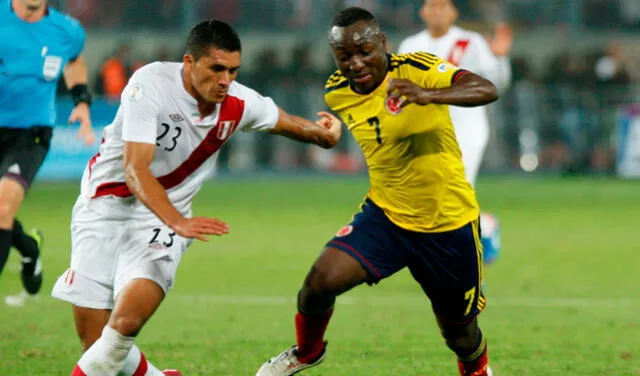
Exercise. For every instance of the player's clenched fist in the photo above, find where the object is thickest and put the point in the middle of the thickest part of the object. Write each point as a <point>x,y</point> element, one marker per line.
<point>408,92</point>
<point>199,227</point>
<point>330,122</point>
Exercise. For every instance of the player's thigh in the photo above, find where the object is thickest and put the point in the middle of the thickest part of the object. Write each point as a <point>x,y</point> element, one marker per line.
<point>89,324</point>
<point>370,247</point>
<point>335,272</point>
<point>448,266</point>
<point>150,250</point>
<point>11,196</point>
<point>135,304</point>
<point>145,270</point>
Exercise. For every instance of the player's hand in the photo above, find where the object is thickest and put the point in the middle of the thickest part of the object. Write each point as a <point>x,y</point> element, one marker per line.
<point>82,115</point>
<point>408,92</point>
<point>502,40</point>
<point>331,123</point>
<point>200,227</point>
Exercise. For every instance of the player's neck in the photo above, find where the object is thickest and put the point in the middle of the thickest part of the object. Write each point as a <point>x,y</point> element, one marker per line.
<point>27,14</point>
<point>437,32</point>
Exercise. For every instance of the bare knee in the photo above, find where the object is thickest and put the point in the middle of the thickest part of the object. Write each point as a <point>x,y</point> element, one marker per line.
<point>11,196</point>
<point>321,281</point>
<point>7,214</point>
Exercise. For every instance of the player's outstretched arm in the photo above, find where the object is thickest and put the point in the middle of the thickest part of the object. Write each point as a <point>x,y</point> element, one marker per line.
<point>75,77</point>
<point>137,159</point>
<point>325,132</point>
<point>470,90</point>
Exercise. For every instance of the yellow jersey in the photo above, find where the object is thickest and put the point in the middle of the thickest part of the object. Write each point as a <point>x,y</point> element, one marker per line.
<point>415,165</point>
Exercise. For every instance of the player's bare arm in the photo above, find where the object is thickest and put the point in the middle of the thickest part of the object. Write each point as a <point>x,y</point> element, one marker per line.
<point>142,183</point>
<point>75,77</point>
<point>470,90</point>
<point>325,132</point>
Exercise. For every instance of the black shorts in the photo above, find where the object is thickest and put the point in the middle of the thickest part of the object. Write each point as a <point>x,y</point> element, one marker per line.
<point>447,265</point>
<point>22,151</point>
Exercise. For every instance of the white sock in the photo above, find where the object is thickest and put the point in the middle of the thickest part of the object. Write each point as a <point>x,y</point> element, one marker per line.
<point>133,364</point>
<point>107,355</point>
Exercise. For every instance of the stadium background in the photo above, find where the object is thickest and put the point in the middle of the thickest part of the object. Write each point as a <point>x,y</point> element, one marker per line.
<point>563,296</point>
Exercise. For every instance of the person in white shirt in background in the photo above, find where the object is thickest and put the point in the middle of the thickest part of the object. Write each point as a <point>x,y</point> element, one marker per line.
<point>488,57</point>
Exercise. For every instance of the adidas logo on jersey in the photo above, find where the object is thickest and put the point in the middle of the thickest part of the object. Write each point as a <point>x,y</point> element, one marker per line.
<point>14,169</point>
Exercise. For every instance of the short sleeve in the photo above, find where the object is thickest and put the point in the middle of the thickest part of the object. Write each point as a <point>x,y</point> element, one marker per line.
<point>440,74</point>
<point>260,113</point>
<point>141,103</point>
<point>78,38</point>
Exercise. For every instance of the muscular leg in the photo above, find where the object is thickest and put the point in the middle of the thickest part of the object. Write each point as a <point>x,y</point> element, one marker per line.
<point>89,324</point>
<point>11,195</point>
<point>135,304</point>
<point>468,343</point>
<point>333,273</point>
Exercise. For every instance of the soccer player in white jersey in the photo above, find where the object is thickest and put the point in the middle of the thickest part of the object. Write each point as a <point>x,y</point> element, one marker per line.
<point>488,58</point>
<point>132,221</point>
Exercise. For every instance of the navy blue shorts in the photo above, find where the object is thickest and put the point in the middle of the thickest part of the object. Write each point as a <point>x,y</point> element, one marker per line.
<point>447,265</point>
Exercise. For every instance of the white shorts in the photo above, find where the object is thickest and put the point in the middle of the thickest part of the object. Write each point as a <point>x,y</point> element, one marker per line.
<point>472,131</point>
<point>108,252</point>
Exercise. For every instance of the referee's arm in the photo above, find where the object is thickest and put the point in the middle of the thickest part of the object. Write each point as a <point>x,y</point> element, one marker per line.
<point>75,77</point>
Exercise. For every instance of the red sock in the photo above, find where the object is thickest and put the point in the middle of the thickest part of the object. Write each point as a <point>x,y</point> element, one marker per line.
<point>477,367</point>
<point>310,333</point>
<point>77,371</point>
<point>142,366</point>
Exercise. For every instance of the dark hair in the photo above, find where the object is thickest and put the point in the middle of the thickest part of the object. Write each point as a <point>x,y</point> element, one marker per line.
<point>351,15</point>
<point>212,33</point>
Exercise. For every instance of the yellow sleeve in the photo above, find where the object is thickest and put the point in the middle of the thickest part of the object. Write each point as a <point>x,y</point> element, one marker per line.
<point>440,73</point>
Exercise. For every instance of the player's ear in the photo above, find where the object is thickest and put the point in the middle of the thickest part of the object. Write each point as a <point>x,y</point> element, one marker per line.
<point>455,14</point>
<point>187,59</point>
<point>423,12</point>
<point>385,45</point>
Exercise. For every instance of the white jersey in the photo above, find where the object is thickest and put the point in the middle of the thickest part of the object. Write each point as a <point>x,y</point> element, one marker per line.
<point>156,109</point>
<point>468,50</point>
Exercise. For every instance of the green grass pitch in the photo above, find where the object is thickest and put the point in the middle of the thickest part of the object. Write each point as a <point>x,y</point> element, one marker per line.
<point>563,298</point>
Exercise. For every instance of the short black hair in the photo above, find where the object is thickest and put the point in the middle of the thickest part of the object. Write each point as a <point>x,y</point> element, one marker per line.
<point>351,15</point>
<point>212,33</point>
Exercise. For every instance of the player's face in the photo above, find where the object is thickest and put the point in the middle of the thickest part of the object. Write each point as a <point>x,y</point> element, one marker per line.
<point>440,14</point>
<point>212,74</point>
<point>34,4</point>
<point>360,54</point>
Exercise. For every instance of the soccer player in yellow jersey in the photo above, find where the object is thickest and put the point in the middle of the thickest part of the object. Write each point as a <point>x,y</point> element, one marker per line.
<point>420,211</point>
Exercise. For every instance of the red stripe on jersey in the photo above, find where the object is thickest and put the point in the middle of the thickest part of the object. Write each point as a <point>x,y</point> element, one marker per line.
<point>230,114</point>
<point>458,50</point>
<point>94,159</point>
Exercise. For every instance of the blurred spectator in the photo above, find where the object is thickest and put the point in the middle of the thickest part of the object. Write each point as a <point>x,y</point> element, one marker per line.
<point>84,10</point>
<point>115,72</point>
<point>225,10</point>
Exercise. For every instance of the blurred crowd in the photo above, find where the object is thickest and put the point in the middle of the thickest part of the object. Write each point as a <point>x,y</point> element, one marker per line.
<point>561,116</point>
<point>312,15</point>
<point>569,109</point>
